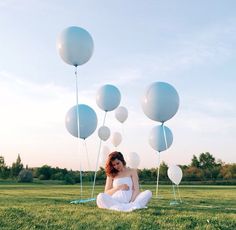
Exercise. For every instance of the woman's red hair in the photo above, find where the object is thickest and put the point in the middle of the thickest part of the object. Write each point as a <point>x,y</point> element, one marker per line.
<point>109,169</point>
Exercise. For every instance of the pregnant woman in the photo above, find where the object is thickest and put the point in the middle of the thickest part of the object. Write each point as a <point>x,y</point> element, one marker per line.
<point>122,187</point>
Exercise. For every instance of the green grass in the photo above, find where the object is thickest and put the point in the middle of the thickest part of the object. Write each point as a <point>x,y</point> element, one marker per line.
<point>37,206</point>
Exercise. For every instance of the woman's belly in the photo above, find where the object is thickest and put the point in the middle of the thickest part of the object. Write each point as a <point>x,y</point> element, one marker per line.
<point>123,196</point>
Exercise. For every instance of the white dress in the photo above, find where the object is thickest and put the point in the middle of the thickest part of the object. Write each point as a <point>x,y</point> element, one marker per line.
<point>120,200</point>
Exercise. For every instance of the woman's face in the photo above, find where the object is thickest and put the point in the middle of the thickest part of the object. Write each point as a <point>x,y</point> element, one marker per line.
<point>117,164</point>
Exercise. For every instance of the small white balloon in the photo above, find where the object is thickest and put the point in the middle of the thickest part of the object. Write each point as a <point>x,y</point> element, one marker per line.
<point>116,138</point>
<point>160,101</point>
<point>104,133</point>
<point>75,45</point>
<point>175,174</point>
<point>133,160</point>
<point>108,97</point>
<point>160,138</point>
<point>121,114</point>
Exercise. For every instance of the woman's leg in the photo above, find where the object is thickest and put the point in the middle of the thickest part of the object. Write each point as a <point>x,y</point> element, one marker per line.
<point>105,201</point>
<point>108,202</point>
<point>142,199</point>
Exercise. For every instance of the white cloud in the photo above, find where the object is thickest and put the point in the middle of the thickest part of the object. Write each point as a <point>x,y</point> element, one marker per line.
<point>32,122</point>
<point>208,119</point>
<point>206,46</point>
<point>28,107</point>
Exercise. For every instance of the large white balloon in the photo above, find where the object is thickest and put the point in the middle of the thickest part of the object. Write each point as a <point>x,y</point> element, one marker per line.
<point>160,138</point>
<point>104,133</point>
<point>75,45</point>
<point>133,160</point>
<point>116,138</point>
<point>103,157</point>
<point>108,97</point>
<point>175,174</point>
<point>160,101</point>
<point>87,121</point>
<point>121,114</point>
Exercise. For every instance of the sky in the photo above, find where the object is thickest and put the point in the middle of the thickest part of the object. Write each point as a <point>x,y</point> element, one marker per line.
<point>188,44</point>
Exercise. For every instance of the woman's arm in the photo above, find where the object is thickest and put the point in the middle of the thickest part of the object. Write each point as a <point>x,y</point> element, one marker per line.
<point>109,189</point>
<point>135,179</point>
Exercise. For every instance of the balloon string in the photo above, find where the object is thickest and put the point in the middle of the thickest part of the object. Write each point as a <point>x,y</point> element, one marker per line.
<point>179,193</point>
<point>78,127</point>
<point>81,182</point>
<point>86,149</point>
<point>123,135</point>
<point>98,155</point>
<point>95,174</point>
<point>104,119</point>
<point>77,100</point>
<point>164,131</point>
<point>174,190</point>
<point>158,173</point>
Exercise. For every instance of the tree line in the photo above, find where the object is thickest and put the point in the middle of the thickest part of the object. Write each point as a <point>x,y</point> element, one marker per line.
<point>201,169</point>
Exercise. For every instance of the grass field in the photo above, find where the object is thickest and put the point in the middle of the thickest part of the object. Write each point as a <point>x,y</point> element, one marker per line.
<point>47,207</point>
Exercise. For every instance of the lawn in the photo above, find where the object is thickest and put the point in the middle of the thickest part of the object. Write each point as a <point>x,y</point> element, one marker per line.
<point>36,206</point>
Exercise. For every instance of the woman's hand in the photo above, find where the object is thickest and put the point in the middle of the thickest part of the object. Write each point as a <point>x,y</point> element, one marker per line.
<point>123,187</point>
<point>109,189</point>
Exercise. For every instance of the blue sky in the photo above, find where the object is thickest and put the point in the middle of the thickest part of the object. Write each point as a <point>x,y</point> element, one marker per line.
<point>189,44</point>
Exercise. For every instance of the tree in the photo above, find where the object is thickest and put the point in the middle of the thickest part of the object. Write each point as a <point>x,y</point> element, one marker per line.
<point>16,167</point>
<point>69,178</point>
<point>25,175</point>
<point>193,174</point>
<point>195,162</point>
<point>44,173</point>
<point>228,171</point>
<point>145,174</point>
<point>2,162</point>
<point>207,161</point>
<point>2,166</point>
<point>163,171</point>
<point>101,175</point>
<point>4,170</point>
<point>57,176</point>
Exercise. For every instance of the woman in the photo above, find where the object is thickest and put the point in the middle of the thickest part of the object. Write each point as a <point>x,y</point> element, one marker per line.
<point>122,188</point>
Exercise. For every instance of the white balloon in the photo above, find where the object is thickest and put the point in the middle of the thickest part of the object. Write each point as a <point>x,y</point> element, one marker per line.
<point>116,139</point>
<point>121,114</point>
<point>87,121</point>
<point>108,97</point>
<point>104,133</point>
<point>160,101</point>
<point>160,138</point>
<point>103,157</point>
<point>133,160</point>
<point>175,174</point>
<point>75,45</point>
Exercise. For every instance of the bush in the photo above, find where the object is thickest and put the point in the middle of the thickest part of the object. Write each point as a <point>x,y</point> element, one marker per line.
<point>58,176</point>
<point>25,176</point>
<point>44,172</point>
<point>5,172</point>
<point>42,177</point>
<point>69,179</point>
